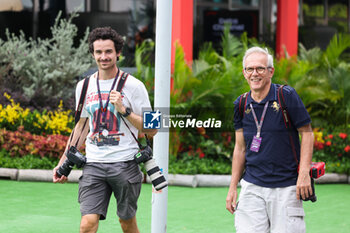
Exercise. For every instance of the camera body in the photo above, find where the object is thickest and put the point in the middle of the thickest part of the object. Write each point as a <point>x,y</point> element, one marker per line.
<point>317,169</point>
<point>74,157</point>
<point>145,155</point>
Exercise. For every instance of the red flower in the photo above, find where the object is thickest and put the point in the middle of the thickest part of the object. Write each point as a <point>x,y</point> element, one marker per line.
<point>181,147</point>
<point>200,152</point>
<point>330,136</point>
<point>347,149</point>
<point>319,145</point>
<point>343,135</point>
<point>328,143</point>
<point>189,94</point>
<point>229,138</point>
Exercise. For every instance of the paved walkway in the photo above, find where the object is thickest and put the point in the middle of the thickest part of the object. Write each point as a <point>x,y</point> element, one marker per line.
<point>173,179</point>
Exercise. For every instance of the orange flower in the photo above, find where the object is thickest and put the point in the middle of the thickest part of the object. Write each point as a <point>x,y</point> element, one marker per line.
<point>202,132</point>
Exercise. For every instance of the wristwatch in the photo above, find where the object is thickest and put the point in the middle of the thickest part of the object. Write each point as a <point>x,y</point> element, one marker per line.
<point>127,112</point>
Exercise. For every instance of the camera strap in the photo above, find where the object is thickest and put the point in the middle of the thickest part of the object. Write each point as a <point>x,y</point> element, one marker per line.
<point>120,86</point>
<point>103,109</point>
<point>133,135</point>
<point>82,99</point>
<point>72,135</point>
<point>79,109</point>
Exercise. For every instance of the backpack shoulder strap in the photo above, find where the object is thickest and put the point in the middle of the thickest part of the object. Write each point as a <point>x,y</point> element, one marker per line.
<point>287,121</point>
<point>283,106</point>
<point>82,99</point>
<point>122,81</point>
<point>242,104</point>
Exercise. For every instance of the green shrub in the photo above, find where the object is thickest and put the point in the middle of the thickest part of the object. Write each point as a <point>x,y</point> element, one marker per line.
<point>26,162</point>
<point>195,165</point>
<point>40,73</point>
<point>322,79</point>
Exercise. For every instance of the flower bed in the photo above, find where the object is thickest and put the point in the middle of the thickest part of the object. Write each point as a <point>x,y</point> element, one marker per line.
<point>21,143</point>
<point>13,116</point>
<point>40,138</point>
<point>334,149</point>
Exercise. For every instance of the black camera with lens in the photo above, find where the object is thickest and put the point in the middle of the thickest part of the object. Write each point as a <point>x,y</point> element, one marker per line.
<point>74,157</point>
<point>145,155</point>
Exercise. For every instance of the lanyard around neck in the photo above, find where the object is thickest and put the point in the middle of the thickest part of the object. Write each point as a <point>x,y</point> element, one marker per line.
<point>259,125</point>
<point>103,109</point>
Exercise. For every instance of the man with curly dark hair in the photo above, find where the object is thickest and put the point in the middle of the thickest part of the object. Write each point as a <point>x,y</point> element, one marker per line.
<point>105,33</point>
<point>110,146</point>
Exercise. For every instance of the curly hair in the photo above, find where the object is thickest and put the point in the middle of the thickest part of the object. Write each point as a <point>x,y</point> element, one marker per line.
<point>105,33</point>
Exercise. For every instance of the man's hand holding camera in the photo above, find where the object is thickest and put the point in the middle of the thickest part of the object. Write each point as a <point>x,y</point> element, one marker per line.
<point>56,179</point>
<point>304,189</point>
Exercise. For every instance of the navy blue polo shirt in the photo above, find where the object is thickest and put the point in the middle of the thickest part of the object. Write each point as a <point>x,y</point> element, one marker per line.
<point>274,164</point>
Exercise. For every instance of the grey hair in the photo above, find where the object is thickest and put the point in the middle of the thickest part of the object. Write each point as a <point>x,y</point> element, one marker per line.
<point>258,50</point>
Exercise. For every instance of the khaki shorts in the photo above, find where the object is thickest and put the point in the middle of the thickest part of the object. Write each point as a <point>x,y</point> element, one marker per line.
<point>263,210</point>
<point>98,182</point>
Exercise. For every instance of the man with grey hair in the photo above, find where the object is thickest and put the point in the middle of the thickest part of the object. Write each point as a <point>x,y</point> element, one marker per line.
<point>276,165</point>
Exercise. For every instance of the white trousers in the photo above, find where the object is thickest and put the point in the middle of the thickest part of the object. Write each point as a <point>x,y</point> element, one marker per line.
<point>265,210</point>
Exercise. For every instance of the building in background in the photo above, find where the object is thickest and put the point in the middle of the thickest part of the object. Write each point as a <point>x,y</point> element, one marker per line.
<point>318,20</point>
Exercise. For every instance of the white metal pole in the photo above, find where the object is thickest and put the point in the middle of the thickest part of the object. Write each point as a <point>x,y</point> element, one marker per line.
<point>162,100</point>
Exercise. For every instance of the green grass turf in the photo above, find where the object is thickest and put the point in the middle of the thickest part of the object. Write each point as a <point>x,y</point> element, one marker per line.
<point>39,207</point>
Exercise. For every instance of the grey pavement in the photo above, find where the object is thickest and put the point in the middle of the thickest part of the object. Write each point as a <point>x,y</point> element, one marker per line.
<point>173,179</point>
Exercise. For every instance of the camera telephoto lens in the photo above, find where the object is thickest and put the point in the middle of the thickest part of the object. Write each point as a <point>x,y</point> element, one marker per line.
<point>156,176</point>
<point>153,171</point>
<point>65,168</point>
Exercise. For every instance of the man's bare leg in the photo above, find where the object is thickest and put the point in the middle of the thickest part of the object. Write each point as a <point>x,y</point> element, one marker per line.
<point>89,223</point>
<point>129,225</point>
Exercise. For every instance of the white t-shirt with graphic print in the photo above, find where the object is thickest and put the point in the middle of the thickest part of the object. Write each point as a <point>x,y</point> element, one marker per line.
<point>112,142</point>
